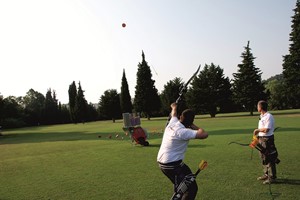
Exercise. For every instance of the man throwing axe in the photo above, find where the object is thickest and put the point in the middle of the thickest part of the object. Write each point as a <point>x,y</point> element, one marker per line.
<point>173,147</point>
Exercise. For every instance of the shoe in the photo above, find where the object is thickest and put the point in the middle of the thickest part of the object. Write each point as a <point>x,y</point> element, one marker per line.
<point>262,178</point>
<point>269,181</point>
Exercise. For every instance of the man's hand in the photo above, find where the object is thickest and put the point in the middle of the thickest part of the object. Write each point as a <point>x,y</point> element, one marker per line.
<point>201,134</point>
<point>174,110</point>
<point>256,131</point>
<point>173,106</point>
<point>263,130</point>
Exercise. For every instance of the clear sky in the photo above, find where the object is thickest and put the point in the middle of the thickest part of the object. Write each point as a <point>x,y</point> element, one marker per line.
<point>51,43</point>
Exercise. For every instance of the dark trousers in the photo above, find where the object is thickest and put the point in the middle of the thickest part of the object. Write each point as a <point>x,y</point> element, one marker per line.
<point>176,172</point>
<point>269,157</point>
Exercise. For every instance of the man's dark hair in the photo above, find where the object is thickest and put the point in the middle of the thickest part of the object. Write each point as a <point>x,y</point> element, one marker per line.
<point>263,105</point>
<point>187,117</point>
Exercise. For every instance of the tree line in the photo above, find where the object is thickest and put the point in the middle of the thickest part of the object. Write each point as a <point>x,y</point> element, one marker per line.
<point>210,92</point>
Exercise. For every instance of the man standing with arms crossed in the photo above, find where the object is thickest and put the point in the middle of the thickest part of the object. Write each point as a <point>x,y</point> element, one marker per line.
<point>265,134</point>
<point>174,144</point>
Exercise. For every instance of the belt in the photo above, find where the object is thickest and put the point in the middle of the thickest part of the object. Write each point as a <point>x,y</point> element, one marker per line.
<point>171,165</point>
<point>266,136</point>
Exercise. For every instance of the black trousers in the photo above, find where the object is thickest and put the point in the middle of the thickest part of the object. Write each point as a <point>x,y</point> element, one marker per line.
<point>269,157</point>
<point>176,171</point>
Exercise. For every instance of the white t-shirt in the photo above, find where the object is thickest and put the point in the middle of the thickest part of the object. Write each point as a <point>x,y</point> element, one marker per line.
<point>175,141</point>
<point>266,121</point>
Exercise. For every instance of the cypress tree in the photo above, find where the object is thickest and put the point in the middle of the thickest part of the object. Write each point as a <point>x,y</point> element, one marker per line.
<point>51,108</point>
<point>146,98</point>
<point>80,105</point>
<point>72,100</point>
<point>125,98</point>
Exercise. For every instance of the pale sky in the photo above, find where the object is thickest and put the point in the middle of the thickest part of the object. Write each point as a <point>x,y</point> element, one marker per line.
<point>51,43</point>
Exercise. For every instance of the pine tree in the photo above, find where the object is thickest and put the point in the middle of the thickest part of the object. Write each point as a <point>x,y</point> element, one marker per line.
<point>247,84</point>
<point>146,98</point>
<point>125,98</point>
<point>210,91</point>
<point>72,100</point>
<point>80,105</point>
<point>291,63</point>
<point>170,94</point>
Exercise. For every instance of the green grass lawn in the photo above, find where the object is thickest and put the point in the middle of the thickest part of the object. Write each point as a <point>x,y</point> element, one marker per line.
<point>73,162</point>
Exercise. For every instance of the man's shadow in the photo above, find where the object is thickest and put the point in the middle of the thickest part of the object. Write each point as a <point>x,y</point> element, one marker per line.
<point>287,181</point>
<point>274,195</point>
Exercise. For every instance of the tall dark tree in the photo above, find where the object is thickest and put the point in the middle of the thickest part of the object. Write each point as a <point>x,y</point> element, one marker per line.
<point>50,113</point>
<point>63,114</point>
<point>1,108</point>
<point>146,98</point>
<point>33,103</point>
<point>92,114</point>
<point>210,91</point>
<point>247,84</point>
<point>80,109</point>
<point>72,100</point>
<point>125,98</point>
<point>109,105</point>
<point>170,94</point>
<point>291,62</point>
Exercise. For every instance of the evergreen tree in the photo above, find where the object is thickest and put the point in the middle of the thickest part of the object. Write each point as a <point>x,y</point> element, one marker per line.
<point>92,112</point>
<point>109,105</point>
<point>64,114</point>
<point>210,91</point>
<point>125,98</point>
<point>247,84</point>
<point>146,98</point>
<point>80,109</point>
<point>72,100</point>
<point>1,108</point>
<point>291,63</point>
<point>50,108</point>
<point>170,94</point>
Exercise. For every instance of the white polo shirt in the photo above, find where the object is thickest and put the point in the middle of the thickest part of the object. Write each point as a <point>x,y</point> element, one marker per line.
<point>266,121</point>
<point>175,141</point>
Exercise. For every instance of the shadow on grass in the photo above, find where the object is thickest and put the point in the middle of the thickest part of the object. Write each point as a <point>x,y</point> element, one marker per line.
<point>55,137</point>
<point>230,131</point>
<point>282,129</point>
<point>248,131</point>
<point>37,137</point>
<point>272,195</point>
<point>287,181</point>
<point>286,112</point>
